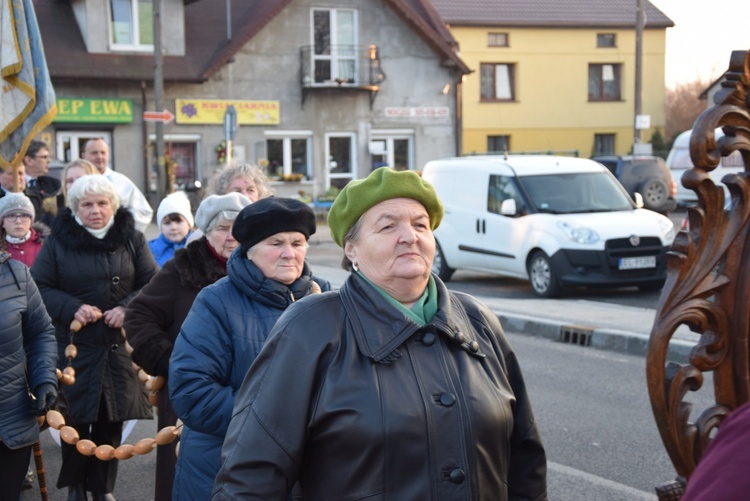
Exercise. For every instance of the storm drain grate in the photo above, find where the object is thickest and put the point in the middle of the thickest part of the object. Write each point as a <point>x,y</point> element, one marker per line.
<point>575,334</point>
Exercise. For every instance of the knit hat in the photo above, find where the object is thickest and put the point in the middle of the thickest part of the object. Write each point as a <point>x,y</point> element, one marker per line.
<point>269,216</point>
<point>175,203</point>
<point>382,184</point>
<point>214,205</point>
<point>16,202</point>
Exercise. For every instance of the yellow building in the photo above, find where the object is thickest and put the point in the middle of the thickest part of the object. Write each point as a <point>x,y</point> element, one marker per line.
<point>557,76</point>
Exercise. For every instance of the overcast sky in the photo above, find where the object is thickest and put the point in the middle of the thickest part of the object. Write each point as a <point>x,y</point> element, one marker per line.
<point>704,36</point>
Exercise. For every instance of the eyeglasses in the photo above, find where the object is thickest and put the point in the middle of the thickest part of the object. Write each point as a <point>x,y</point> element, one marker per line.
<point>42,157</point>
<point>18,217</point>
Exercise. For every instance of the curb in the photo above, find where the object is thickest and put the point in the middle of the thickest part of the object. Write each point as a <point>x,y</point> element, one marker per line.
<point>586,336</point>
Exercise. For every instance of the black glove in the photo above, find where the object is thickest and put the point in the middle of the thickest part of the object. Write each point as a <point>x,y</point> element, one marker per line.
<point>162,365</point>
<point>46,396</point>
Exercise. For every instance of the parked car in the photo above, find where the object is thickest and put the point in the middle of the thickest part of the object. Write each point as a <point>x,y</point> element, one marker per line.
<point>679,161</point>
<point>556,221</point>
<point>644,174</point>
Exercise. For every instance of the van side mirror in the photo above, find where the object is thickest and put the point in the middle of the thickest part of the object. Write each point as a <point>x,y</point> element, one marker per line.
<point>508,207</point>
<point>638,200</point>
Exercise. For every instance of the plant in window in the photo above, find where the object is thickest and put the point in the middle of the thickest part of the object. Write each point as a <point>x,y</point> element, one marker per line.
<point>330,195</point>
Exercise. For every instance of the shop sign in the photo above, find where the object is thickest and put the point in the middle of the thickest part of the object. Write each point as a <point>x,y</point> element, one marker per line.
<point>84,110</point>
<point>417,112</point>
<point>211,111</point>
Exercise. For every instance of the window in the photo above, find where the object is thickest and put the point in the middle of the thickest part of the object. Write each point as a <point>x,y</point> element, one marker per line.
<point>497,39</point>
<point>132,24</point>
<point>606,40</point>
<point>334,45</point>
<point>289,155</point>
<point>604,82</point>
<point>501,188</point>
<point>392,148</point>
<point>341,161</point>
<point>498,144</point>
<point>604,144</point>
<point>498,82</point>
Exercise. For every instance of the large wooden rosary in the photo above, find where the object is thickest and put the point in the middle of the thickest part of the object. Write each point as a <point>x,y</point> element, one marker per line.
<point>106,452</point>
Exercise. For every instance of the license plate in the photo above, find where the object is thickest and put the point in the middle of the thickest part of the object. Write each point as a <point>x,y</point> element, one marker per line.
<point>636,263</point>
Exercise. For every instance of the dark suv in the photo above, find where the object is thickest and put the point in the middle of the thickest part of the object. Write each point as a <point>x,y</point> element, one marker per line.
<point>644,174</point>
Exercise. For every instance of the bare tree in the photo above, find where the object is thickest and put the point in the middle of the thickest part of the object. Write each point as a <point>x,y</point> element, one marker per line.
<point>683,105</point>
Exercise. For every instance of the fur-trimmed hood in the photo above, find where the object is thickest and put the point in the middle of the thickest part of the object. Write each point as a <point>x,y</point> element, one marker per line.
<point>72,235</point>
<point>196,265</point>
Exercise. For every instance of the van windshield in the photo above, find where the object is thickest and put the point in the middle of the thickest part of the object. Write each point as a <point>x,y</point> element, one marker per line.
<point>574,193</point>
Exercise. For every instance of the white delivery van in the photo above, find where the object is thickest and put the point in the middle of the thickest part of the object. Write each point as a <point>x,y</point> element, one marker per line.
<point>556,221</point>
<point>679,161</point>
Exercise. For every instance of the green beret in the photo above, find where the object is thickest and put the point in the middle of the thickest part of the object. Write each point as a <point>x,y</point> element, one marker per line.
<point>382,184</point>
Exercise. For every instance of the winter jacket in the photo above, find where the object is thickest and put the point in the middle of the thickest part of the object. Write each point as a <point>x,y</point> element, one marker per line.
<point>29,352</point>
<point>152,322</point>
<point>27,251</point>
<point>75,268</point>
<point>163,249</point>
<point>221,336</point>
<point>356,401</point>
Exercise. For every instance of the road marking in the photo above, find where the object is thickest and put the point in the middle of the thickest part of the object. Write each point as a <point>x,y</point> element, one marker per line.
<point>631,492</point>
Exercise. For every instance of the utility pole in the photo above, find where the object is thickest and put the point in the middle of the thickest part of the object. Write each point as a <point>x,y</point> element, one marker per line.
<point>639,21</point>
<point>163,178</point>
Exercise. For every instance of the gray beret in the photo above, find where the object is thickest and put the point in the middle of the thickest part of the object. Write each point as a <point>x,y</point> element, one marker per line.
<point>214,205</point>
<point>269,216</point>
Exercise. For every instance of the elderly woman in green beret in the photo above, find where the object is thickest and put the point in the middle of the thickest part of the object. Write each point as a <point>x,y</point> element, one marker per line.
<point>393,387</point>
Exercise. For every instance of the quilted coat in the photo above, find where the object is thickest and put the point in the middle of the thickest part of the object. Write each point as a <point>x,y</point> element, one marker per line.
<point>75,268</point>
<point>29,352</point>
<point>354,400</point>
<point>152,323</point>
<point>221,336</point>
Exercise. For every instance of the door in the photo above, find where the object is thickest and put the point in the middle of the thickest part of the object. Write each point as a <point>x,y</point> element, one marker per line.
<point>503,237</point>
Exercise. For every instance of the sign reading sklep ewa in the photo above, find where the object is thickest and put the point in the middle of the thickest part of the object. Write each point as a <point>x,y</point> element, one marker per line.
<point>417,112</point>
<point>211,111</point>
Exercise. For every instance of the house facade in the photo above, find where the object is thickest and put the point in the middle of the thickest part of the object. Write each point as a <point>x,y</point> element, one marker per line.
<point>323,91</point>
<point>551,76</point>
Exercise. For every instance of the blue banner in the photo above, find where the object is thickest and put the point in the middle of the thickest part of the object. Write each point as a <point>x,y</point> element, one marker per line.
<point>27,101</point>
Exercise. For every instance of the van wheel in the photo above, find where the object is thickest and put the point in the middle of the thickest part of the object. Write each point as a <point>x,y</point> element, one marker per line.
<point>440,266</point>
<point>655,194</point>
<point>542,276</point>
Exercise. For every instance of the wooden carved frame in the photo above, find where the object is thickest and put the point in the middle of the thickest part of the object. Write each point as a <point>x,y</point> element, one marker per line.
<point>707,287</point>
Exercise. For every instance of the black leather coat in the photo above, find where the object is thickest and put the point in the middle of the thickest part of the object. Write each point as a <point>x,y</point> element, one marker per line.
<point>356,401</point>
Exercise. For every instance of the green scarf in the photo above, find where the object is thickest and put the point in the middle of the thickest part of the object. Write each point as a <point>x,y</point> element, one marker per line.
<point>422,311</point>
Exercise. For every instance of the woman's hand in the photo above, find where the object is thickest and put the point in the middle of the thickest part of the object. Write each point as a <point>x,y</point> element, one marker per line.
<point>114,317</point>
<point>87,314</point>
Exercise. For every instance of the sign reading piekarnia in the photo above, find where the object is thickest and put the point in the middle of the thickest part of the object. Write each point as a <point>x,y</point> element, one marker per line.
<point>211,111</point>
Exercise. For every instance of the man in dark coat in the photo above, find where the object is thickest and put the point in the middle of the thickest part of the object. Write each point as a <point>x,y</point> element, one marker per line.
<point>46,188</point>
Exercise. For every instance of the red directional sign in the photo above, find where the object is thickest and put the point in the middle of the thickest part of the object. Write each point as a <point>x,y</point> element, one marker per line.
<point>165,116</point>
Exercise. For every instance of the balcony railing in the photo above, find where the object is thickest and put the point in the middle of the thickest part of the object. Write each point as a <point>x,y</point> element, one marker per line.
<point>350,67</point>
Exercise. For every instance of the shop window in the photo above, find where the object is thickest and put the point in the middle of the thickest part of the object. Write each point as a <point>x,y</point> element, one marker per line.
<point>288,155</point>
<point>340,159</point>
